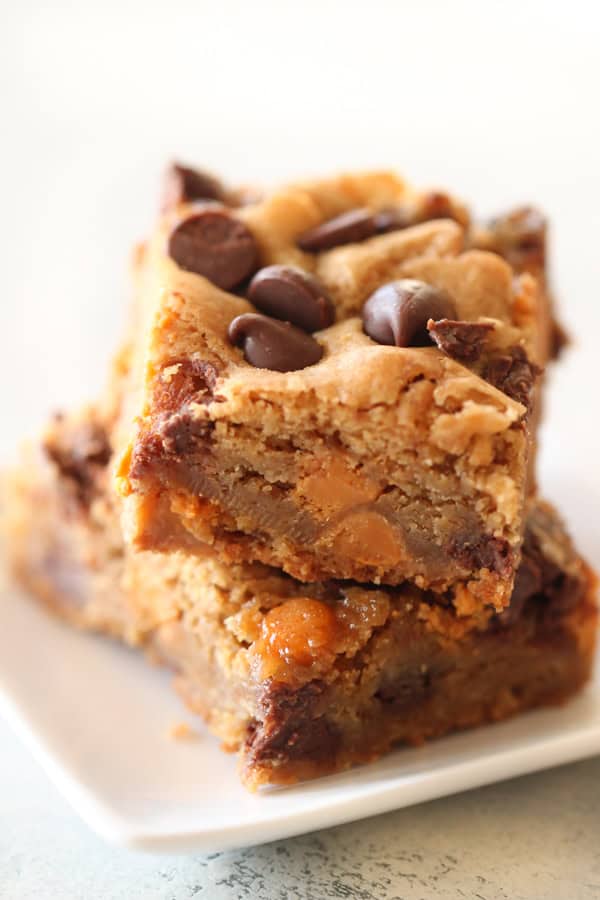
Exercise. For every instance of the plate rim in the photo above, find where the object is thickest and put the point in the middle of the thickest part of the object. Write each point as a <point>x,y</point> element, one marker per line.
<point>542,752</point>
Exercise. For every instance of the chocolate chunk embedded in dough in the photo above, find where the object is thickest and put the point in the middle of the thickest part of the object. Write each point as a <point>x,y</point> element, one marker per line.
<point>349,228</point>
<point>269,344</point>
<point>183,380</point>
<point>460,340</point>
<point>513,373</point>
<point>81,457</point>
<point>290,294</point>
<point>398,312</point>
<point>521,236</point>
<point>214,244</point>
<point>482,552</point>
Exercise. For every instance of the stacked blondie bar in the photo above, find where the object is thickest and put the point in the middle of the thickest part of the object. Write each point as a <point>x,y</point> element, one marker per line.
<point>309,484</point>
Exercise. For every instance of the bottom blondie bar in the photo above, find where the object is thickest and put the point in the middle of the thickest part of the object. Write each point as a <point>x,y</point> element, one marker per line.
<point>301,679</point>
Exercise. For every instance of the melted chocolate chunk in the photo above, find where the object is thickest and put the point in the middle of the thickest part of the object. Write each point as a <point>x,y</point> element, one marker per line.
<point>182,381</point>
<point>83,454</point>
<point>214,244</point>
<point>293,295</point>
<point>548,586</point>
<point>270,344</point>
<point>520,236</point>
<point>482,552</point>
<point>564,593</point>
<point>528,582</point>
<point>291,727</point>
<point>176,438</point>
<point>513,373</point>
<point>460,340</point>
<point>349,228</point>
<point>181,434</point>
<point>182,184</point>
<point>397,313</point>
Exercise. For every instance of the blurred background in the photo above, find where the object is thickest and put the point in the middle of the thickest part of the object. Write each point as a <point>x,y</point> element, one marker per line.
<point>495,101</point>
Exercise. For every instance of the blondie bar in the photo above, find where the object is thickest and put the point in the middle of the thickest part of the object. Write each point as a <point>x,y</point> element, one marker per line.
<point>299,679</point>
<point>333,381</point>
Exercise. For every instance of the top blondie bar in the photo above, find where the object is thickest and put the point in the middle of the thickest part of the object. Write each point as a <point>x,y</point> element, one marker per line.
<point>334,379</point>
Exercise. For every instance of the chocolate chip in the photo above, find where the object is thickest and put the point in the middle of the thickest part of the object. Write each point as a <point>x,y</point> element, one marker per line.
<point>460,340</point>
<point>349,228</point>
<point>398,312</point>
<point>291,727</point>
<point>80,454</point>
<point>214,244</point>
<point>433,205</point>
<point>482,552</point>
<point>183,380</point>
<point>513,373</point>
<point>393,218</point>
<point>292,295</point>
<point>528,582</point>
<point>182,184</point>
<point>520,236</point>
<point>269,344</point>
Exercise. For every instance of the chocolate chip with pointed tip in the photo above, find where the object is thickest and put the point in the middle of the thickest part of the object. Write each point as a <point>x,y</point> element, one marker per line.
<point>293,295</point>
<point>182,184</point>
<point>397,313</point>
<point>270,344</point>
<point>348,228</point>
<point>212,243</point>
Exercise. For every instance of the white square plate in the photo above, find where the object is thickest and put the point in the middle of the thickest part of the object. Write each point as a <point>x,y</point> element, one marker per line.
<point>98,719</point>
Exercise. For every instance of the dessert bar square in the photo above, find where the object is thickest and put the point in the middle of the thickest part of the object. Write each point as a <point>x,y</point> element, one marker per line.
<point>363,408</point>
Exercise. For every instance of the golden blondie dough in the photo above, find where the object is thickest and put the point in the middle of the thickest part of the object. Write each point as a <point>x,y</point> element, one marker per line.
<point>299,679</point>
<point>332,380</point>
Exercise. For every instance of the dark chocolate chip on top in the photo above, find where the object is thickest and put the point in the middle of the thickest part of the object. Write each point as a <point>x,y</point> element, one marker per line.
<point>182,184</point>
<point>348,228</point>
<point>270,344</point>
<point>212,243</point>
<point>293,295</point>
<point>397,313</point>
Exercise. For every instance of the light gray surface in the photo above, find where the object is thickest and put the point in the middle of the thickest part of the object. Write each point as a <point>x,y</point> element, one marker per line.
<point>534,838</point>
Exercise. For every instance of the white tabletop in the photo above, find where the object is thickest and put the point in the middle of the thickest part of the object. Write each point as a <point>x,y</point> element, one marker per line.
<point>499,102</point>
